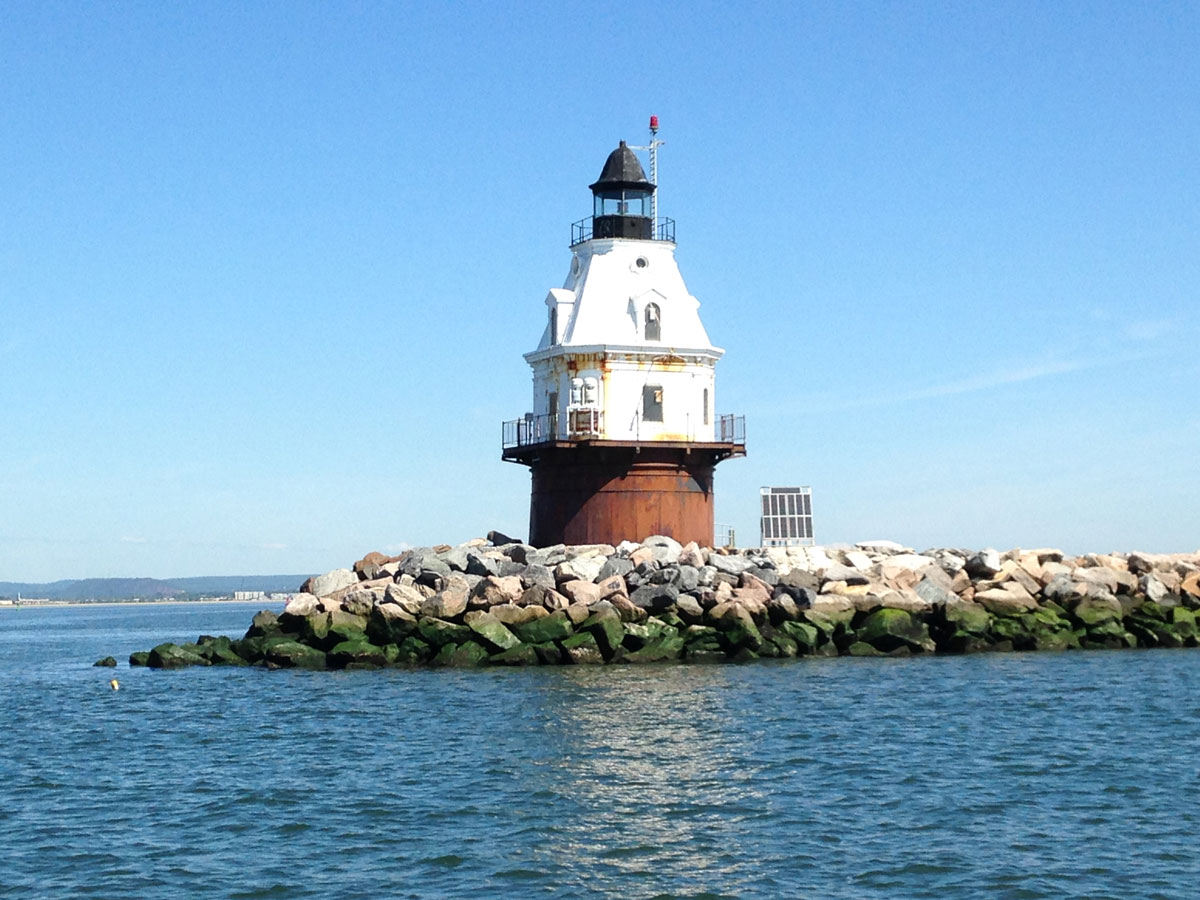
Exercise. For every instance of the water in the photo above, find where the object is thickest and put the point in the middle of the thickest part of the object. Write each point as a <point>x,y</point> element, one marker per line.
<point>1011,776</point>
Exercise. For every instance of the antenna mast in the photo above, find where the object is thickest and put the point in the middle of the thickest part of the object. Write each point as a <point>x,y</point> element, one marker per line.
<point>653,146</point>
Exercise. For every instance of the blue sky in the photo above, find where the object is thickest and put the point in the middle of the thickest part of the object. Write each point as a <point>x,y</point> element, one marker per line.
<point>267,270</point>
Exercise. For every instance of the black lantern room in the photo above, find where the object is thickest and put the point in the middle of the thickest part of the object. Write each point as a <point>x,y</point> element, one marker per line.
<point>621,198</point>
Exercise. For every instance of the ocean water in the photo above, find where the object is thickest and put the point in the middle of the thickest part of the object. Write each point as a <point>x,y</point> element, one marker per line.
<point>1004,776</point>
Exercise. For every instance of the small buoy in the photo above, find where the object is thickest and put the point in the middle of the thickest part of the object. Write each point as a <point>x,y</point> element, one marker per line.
<point>115,685</point>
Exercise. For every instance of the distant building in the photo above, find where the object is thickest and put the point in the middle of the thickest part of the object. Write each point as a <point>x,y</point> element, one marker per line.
<point>248,595</point>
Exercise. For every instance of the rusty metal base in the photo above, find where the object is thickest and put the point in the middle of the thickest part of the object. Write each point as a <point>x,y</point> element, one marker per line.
<point>589,494</point>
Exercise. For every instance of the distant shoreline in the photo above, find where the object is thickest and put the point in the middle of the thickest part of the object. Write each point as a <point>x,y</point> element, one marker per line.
<point>43,604</point>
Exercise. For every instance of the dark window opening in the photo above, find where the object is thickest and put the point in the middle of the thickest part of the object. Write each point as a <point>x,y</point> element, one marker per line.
<point>653,323</point>
<point>652,403</point>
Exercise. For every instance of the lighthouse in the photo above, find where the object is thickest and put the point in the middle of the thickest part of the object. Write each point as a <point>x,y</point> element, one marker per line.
<point>623,438</point>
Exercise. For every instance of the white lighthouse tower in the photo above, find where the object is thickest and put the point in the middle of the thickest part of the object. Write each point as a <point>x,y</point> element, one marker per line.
<point>623,437</point>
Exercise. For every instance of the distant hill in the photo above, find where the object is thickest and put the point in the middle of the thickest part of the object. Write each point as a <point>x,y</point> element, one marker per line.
<point>145,588</point>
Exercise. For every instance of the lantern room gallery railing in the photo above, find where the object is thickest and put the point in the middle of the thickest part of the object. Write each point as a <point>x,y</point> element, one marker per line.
<point>588,424</point>
<point>664,230</point>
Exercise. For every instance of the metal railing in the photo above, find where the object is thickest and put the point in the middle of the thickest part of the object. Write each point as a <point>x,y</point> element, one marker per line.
<point>731,429</point>
<point>580,425</point>
<point>724,536</point>
<point>583,424</point>
<point>663,230</point>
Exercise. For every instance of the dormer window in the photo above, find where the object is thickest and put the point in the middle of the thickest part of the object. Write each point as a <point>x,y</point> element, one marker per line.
<point>653,330</point>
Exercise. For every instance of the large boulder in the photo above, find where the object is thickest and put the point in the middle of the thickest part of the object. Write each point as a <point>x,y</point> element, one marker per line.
<point>491,631</point>
<point>390,623</point>
<point>439,632</point>
<point>579,568</point>
<point>606,626</point>
<point>494,590</point>
<point>581,648</point>
<point>264,624</point>
<point>294,655</point>
<point>357,654</point>
<point>666,550</point>
<point>729,565</point>
<point>554,627</point>
<point>655,597</point>
<point>887,629</point>
<point>585,592</point>
<point>324,585</point>
<point>1009,600</point>
<point>983,564</point>
<point>450,602</point>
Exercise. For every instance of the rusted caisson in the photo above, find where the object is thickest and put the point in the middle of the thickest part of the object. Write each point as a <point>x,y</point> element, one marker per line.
<point>623,438</point>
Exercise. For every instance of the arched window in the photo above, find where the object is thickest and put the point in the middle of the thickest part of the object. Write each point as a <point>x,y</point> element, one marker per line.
<point>653,323</point>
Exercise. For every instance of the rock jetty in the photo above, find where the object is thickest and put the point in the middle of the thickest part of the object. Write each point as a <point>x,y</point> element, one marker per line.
<point>502,602</point>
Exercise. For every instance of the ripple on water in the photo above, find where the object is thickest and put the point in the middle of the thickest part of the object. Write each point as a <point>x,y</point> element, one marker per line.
<point>1026,776</point>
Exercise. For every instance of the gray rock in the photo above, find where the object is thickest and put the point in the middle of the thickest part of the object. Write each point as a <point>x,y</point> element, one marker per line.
<point>579,568</point>
<point>665,549</point>
<point>539,575</point>
<point>518,553</point>
<point>455,558</point>
<point>1153,588</point>
<point>1061,590</point>
<point>324,585</point>
<point>655,597</point>
<point>301,605</point>
<point>689,608</point>
<point>844,573</point>
<point>615,565</point>
<point>766,574</point>
<point>983,564</point>
<point>688,579</point>
<point>477,564</point>
<point>803,597</point>
<point>360,602</point>
<point>407,598</point>
<point>933,591</point>
<point>729,565</point>
<point>782,608</point>
<point>508,567</point>
<point>708,576</point>
<point>888,547</point>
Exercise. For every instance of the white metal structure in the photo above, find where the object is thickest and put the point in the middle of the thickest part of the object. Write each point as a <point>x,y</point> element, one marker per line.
<point>787,519</point>
<point>624,355</point>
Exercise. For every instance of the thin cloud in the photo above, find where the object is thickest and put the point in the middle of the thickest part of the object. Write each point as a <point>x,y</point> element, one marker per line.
<point>984,381</point>
<point>1150,329</point>
<point>999,378</point>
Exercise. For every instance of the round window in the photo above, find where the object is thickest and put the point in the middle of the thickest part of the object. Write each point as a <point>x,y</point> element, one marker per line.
<point>642,262</point>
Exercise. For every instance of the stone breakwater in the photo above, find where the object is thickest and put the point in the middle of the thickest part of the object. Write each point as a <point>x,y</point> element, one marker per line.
<point>501,602</point>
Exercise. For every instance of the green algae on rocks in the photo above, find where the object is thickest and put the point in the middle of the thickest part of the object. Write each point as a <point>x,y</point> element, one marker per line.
<point>509,604</point>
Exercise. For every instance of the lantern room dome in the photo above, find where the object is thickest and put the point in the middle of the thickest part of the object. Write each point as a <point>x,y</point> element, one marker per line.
<point>622,171</point>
